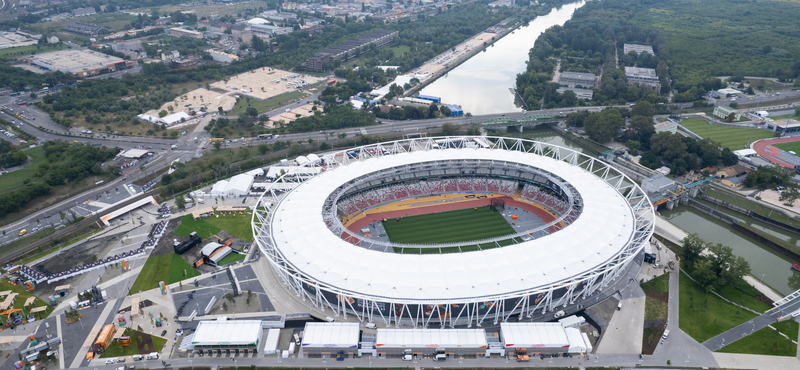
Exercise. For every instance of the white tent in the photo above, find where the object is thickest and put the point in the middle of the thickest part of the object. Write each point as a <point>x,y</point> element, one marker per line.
<point>542,335</point>
<point>219,188</point>
<point>239,185</point>
<point>228,332</point>
<point>431,338</point>
<point>576,344</point>
<point>176,118</point>
<point>333,334</point>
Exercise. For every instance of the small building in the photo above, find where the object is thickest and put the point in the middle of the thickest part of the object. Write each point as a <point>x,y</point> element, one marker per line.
<point>638,49</point>
<point>82,12</point>
<point>573,79</point>
<point>434,99</point>
<point>180,32</point>
<point>222,57</point>
<point>584,94</point>
<point>170,55</point>
<point>455,110</point>
<point>228,334</point>
<point>176,117</point>
<point>745,153</point>
<point>657,184</point>
<point>732,171</point>
<point>666,126</point>
<point>643,77</point>
<point>134,153</point>
<point>733,182</point>
<point>542,337</point>
<point>330,338</point>
<point>784,126</point>
<point>723,112</point>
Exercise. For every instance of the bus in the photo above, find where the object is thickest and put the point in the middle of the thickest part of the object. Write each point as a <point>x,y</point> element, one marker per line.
<point>331,82</point>
<point>264,136</point>
<point>216,139</point>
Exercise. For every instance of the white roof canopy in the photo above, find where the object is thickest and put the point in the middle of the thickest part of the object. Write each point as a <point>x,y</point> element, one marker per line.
<point>602,231</point>
<point>534,335</point>
<point>431,338</point>
<point>334,334</point>
<point>227,332</point>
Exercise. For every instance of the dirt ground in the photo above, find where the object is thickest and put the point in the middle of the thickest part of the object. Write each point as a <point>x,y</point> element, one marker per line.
<point>74,257</point>
<point>238,305</point>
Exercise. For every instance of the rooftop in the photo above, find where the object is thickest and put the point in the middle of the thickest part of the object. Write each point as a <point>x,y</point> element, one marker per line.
<point>640,72</point>
<point>230,332</point>
<point>627,48</point>
<point>75,59</point>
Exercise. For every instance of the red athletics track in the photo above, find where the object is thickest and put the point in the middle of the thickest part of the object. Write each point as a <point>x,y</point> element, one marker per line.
<point>762,148</point>
<point>372,217</point>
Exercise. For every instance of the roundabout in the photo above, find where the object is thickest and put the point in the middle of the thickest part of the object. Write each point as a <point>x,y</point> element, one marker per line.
<point>591,223</point>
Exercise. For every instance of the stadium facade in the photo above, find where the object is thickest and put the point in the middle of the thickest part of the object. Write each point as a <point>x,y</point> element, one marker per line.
<point>601,220</point>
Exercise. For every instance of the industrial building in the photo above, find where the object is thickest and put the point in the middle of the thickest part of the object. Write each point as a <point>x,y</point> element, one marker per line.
<point>222,57</point>
<point>348,49</point>
<point>223,334</point>
<point>638,49</point>
<point>268,31</point>
<point>784,126</point>
<point>572,79</point>
<point>326,338</point>
<point>643,77</point>
<point>455,110</point>
<point>657,184</point>
<point>78,61</point>
<point>584,94</point>
<point>180,32</point>
<point>87,29</point>
<point>723,112</point>
<point>431,98</point>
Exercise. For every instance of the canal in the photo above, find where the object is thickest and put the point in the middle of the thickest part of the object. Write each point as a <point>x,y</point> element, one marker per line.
<point>480,85</point>
<point>771,266</point>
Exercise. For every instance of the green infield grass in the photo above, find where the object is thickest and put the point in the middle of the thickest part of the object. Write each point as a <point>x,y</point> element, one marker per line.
<point>767,341</point>
<point>734,138</point>
<point>789,147</point>
<point>447,227</point>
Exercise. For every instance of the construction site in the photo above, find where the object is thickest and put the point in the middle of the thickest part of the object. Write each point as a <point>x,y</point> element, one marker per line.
<point>196,100</point>
<point>265,83</point>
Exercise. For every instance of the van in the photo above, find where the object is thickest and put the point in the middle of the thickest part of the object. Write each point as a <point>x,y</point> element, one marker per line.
<point>559,314</point>
<point>137,357</point>
<point>440,357</point>
<point>666,334</point>
<point>296,339</point>
<point>330,319</point>
<point>371,325</point>
<point>153,356</point>
<point>619,306</point>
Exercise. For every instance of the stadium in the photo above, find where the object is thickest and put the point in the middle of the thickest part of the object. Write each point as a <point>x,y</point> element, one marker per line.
<point>451,231</point>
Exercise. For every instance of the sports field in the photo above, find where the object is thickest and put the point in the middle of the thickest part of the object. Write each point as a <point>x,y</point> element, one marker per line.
<point>446,227</point>
<point>734,138</point>
<point>789,147</point>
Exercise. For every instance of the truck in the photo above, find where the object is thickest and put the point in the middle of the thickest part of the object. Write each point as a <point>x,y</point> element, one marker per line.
<point>173,147</point>
<point>522,355</point>
<point>104,338</point>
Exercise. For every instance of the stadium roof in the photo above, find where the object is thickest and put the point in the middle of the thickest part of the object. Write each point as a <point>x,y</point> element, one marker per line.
<point>604,229</point>
<point>332,334</point>
<point>227,332</point>
<point>431,338</point>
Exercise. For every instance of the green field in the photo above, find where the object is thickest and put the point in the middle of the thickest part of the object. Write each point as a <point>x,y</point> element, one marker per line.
<point>734,138</point>
<point>767,341</point>
<point>793,146</point>
<point>15,179</point>
<point>168,268</point>
<point>28,50</point>
<point>703,315</point>
<point>115,350</point>
<point>238,225</point>
<point>446,227</point>
<point>264,106</point>
<point>231,258</point>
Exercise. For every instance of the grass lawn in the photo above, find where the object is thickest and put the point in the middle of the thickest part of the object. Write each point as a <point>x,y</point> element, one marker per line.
<point>655,311</point>
<point>115,350</point>
<point>167,268</point>
<point>238,225</point>
<point>734,138</point>
<point>445,227</point>
<point>264,106</point>
<point>14,179</point>
<point>23,296</point>
<point>400,50</point>
<point>704,315</point>
<point>767,341</point>
<point>785,116</point>
<point>30,49</point>
<point>203,228</point>
<point>231,258</point>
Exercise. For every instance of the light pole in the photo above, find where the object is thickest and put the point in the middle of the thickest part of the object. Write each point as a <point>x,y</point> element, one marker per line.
<point>762,278</point>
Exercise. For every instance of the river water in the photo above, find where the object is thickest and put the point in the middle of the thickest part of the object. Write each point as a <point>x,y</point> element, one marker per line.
<point>480,85</point>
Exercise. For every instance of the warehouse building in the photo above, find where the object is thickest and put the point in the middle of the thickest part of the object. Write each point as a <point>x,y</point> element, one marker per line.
<point>455,110</point>
<point>643,77</point>
<point>330,338</point>
<point>348,49</point>
<point>572,79</point>
<point>78,61</point>
<point>180,32</point>
<point>242,336</point>
<point>421,342</point>
<point>627,48</point>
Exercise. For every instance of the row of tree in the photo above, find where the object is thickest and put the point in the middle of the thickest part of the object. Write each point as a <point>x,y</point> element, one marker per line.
<point>713,265</point>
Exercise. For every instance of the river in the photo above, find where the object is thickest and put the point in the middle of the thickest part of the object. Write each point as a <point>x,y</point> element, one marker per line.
<point>480,85</point>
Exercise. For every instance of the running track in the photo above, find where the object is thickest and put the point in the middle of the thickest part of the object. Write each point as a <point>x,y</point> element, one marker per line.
<point>765,149</point>
<point>372,217</point>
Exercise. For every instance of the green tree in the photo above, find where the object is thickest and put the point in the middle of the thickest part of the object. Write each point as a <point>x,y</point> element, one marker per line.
<point>693,245</point>
<point>180,202</point>
<point>789,196</point>
<point>252,112</point>
<point>704,273</point>
<point>667,145</point>
<point>449,129</point>
<point>643,108</point>
<point>606,127</point>
<point>217,145</point>
<point>162,114</point>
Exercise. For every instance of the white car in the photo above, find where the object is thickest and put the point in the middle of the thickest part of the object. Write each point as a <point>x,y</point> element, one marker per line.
<point>111,361</point>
